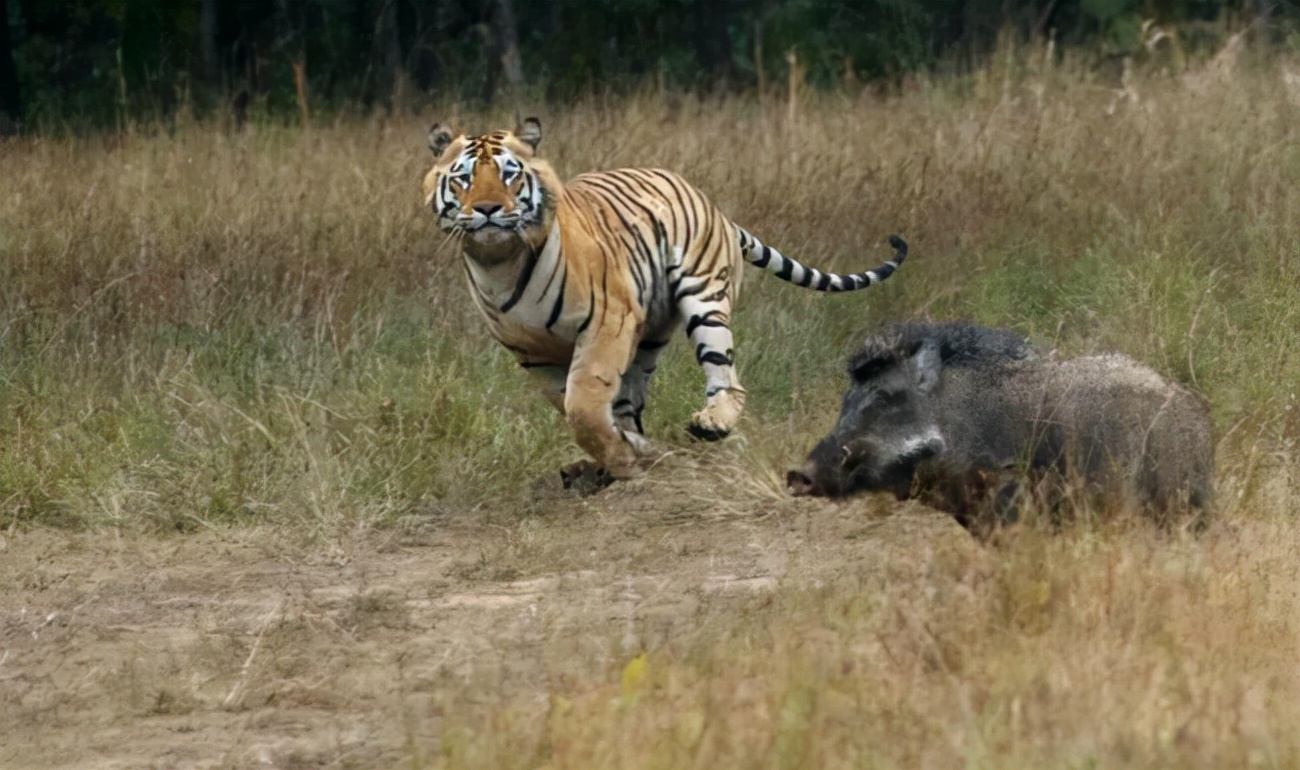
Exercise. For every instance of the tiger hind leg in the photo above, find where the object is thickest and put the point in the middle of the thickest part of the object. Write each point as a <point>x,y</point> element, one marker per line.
<point>631,399</point>
<point>707,322</point>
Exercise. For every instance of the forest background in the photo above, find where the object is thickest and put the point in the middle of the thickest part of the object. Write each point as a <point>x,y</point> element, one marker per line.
<point>87,63</point>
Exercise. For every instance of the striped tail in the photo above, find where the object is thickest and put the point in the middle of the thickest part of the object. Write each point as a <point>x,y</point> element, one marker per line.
<point>762,255</point>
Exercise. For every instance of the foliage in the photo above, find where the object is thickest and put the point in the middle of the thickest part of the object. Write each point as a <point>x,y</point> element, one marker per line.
<point>102,62</point>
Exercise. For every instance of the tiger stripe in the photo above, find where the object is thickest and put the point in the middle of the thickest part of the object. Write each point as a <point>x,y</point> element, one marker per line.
<point>586,281</point>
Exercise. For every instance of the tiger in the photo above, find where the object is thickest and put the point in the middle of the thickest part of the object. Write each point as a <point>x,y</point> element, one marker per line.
<point>585,282</point>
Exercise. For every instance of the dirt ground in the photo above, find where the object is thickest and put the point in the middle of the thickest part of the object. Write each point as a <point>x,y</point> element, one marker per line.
<point>250,649</point>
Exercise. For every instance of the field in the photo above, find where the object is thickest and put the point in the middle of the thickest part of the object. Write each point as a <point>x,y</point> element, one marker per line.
<point>270,497</point>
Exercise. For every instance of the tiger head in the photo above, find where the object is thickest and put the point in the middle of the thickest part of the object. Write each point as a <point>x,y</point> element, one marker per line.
<point>491,189</point>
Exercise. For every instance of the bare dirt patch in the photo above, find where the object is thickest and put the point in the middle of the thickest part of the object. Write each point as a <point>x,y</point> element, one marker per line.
<point>248,649</point>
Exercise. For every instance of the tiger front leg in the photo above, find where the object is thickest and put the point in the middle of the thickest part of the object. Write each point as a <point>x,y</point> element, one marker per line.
<point>707,322</point>
<point>584,476</point>
<point>595,380</point>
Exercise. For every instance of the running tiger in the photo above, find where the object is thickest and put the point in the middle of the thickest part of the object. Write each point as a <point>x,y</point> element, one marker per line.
<point>585,282</point>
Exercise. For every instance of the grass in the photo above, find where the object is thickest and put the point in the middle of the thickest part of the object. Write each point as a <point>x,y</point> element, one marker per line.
<point>205,329</point>
<point>1042,659</point>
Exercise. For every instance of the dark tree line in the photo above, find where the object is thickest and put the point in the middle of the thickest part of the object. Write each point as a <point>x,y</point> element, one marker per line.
<point>92,61</point>
<point>11,106</point>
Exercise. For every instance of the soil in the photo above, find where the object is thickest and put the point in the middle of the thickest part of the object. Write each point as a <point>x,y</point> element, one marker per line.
<point>252,648</point>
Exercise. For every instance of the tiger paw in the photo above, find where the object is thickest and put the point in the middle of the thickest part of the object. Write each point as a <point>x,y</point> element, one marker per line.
<point>717,419</point>
<point>585,477</point>
<point>706,430</point>
<point>646,450</point>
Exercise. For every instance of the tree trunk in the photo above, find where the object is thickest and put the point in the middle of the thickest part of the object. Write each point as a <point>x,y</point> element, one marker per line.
<point>1044,18</point>
<point>503,48</point>
<point>1264,13</point>
<point>11,104</point>
<point>208,44</point>
<point>390,54</point>
<point>421,45</point>
<point>710,39</point>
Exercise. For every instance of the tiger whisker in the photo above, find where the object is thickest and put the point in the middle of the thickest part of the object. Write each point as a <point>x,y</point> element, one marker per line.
<point>453,235</point>
<point>537,287</point>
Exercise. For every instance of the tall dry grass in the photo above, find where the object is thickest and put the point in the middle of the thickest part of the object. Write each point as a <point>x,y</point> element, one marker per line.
<point>204,328</point>
<point>1107,648</point>
<point>191,315</point>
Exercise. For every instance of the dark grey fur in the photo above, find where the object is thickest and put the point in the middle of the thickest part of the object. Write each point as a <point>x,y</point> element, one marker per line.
<point>962,416</point>
<point>959,344</point>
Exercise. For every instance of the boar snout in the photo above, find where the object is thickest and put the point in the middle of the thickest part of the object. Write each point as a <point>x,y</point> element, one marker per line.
<point>820,475</point>
<point>801,484</point>
<point>836,468</point>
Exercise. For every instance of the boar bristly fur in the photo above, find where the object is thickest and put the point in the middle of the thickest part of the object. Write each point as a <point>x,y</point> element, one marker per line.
<point>973,421</point>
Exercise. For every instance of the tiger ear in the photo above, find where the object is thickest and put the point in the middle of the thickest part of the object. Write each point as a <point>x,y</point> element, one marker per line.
<point>530,132</point>
<point>439,139</point>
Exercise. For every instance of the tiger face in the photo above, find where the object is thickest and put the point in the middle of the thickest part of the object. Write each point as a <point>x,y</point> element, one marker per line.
<point>485,189</point>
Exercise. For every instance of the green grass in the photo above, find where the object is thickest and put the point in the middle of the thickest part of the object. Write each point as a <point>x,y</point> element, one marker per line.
<point>202,329</point>
<point>278,299</point>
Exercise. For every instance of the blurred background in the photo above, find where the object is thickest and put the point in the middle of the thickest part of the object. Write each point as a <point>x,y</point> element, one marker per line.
<point>86,63</point>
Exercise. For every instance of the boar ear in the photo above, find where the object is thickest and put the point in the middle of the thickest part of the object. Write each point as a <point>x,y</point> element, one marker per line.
<point>927,363</point>
<point>864,367</point>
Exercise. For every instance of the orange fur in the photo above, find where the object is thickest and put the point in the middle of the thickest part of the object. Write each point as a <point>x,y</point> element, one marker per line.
<point>585,282</point>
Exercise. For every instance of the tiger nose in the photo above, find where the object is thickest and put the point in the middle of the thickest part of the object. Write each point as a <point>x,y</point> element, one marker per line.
<point>487,209</point>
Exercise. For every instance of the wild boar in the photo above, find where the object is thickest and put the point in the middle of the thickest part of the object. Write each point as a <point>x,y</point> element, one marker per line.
<point>962,416</point>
